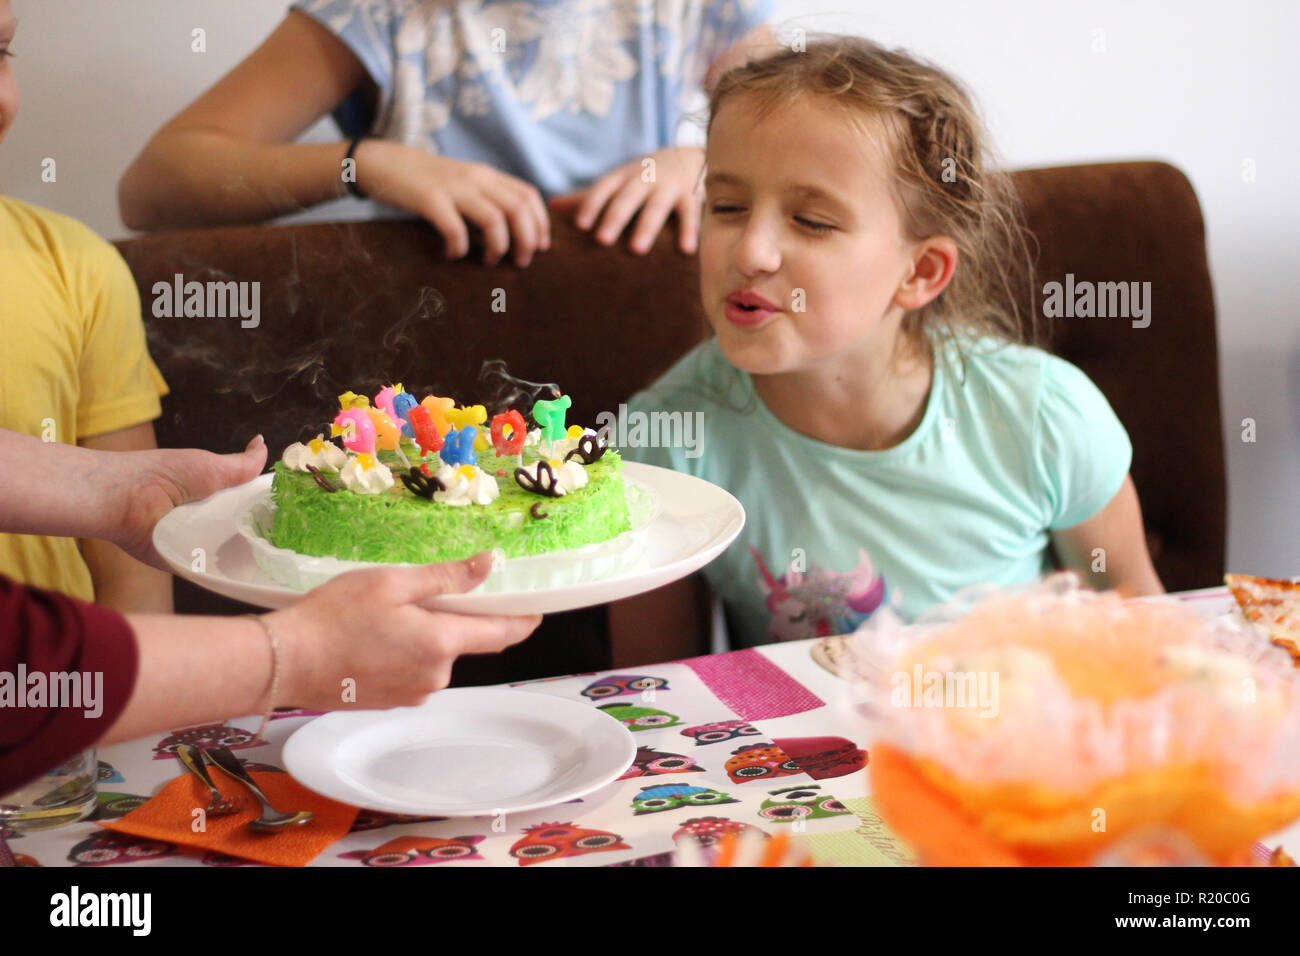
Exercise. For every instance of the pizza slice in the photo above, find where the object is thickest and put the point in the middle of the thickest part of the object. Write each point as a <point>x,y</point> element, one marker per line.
<point>1271,604</point>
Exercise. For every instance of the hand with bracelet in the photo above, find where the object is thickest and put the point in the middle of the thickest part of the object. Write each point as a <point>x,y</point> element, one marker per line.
<point>231,156</point>
<point>365,627</point>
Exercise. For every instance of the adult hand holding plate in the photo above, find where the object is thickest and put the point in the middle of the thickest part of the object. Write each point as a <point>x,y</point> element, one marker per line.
<point>410,650</point>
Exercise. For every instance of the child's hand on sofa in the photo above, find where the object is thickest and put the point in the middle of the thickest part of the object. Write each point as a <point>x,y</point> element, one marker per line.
<point>659,184</point>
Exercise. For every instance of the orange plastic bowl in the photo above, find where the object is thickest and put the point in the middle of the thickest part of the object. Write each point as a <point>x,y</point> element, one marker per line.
<point>1105,653</point>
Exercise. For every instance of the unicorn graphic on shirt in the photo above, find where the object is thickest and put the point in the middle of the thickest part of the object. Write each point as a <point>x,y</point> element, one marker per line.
<point>818,603</point>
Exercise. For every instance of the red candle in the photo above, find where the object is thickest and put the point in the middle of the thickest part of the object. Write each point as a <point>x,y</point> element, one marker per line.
<point>426,432</point>
<point>514,444</point>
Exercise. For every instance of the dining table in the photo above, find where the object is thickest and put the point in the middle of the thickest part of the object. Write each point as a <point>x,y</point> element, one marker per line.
<point>762,738</point>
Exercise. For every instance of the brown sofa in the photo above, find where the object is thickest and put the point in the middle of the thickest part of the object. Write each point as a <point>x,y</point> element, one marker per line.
<point>357,305</point>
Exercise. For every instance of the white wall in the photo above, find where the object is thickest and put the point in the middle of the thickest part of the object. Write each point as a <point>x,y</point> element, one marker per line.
<point>1205,85</point>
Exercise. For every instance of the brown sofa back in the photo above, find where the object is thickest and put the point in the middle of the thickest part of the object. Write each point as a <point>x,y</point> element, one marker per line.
<point>359,305</point>
<point>1140,222</point>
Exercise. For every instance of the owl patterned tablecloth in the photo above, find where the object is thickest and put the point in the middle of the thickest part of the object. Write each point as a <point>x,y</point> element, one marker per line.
<point>751,739</point>
<point>775,757</point>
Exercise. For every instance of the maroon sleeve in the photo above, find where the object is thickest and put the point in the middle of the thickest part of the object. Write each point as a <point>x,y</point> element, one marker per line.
<point>45,639</point>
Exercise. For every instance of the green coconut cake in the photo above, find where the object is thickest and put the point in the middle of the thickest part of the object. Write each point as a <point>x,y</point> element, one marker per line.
<point>400,526</point>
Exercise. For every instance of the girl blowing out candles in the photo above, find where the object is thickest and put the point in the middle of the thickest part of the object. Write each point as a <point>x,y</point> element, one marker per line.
<point>871,393</point>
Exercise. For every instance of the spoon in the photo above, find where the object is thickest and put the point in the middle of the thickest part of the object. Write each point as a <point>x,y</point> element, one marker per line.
<point>271,818</point>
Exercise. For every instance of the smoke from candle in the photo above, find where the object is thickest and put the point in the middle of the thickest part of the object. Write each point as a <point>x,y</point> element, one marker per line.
<point>503,391</point>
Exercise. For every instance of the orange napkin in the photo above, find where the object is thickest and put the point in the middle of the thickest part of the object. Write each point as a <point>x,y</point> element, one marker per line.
<point>169,816</point>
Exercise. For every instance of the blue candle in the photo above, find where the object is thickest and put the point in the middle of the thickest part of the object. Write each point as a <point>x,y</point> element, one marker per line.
<point>458,446</point>
<point>403,402</point>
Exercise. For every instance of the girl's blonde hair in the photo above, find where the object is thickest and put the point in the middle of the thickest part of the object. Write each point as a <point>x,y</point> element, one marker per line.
<point>945,180</point>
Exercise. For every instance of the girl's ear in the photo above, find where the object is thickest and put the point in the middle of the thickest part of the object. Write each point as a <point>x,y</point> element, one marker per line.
<point>933,264</point>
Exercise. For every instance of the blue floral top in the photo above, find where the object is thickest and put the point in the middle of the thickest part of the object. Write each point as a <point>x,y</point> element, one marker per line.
<point>556,92</point>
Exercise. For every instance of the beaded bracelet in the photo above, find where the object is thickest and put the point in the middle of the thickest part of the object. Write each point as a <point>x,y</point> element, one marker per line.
<point>275,673</point>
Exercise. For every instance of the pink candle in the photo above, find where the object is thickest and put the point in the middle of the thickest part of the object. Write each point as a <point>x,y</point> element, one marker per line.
<point>384,400</point>
<point>357,429</point>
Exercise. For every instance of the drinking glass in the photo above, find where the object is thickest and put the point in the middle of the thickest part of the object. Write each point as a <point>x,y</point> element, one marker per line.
<point>65,794</point>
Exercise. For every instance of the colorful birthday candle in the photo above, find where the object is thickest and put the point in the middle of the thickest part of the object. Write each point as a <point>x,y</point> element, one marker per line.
<point>386,431</point>
<point>458,446</point>
<point>471,415</point>
<point>474,415</point>
<point>508,433</point>
<point>426,433</point>
<point>403,402</point>
<point>550,416</point>
<point>357,429</point>
<point>438,408</point>
<point>384,400</point>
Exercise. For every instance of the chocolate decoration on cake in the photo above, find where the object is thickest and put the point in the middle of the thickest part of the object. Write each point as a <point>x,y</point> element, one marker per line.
<point>539,515</point>
<point>544,484</point>
<point>322,432</point>
<point>321,479</point>
<point>589,451</point>
<point>420,484</point>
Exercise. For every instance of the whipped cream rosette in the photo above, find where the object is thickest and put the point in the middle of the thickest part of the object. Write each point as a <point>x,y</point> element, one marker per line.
<point>1043,725</point>
<point>317,453</point>
<point>466,485</point>
<point>366,475</point>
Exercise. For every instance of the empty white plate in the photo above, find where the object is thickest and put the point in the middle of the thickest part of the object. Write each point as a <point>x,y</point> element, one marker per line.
<point>474,751</point>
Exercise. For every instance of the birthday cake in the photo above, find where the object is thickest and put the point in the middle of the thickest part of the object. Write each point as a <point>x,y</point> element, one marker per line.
<point>398,480</point>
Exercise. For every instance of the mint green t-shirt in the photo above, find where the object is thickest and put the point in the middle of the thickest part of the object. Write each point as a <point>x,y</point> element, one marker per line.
<point>1024,444</point>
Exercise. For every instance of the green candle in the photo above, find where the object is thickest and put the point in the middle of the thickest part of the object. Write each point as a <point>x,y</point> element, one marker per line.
<point>550,416</point>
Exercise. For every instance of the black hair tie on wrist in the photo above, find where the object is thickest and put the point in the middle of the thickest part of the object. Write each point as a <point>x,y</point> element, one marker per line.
<point>351,184</point>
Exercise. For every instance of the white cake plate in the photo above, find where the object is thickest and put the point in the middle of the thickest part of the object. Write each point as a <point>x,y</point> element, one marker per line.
<point>692,523</point>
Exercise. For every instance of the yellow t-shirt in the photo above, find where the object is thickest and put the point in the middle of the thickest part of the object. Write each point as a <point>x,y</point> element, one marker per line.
<point>73,361</point>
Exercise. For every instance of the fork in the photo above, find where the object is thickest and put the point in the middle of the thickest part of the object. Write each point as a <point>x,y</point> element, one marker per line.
<point>220,805</point>
<point>271,818</point>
